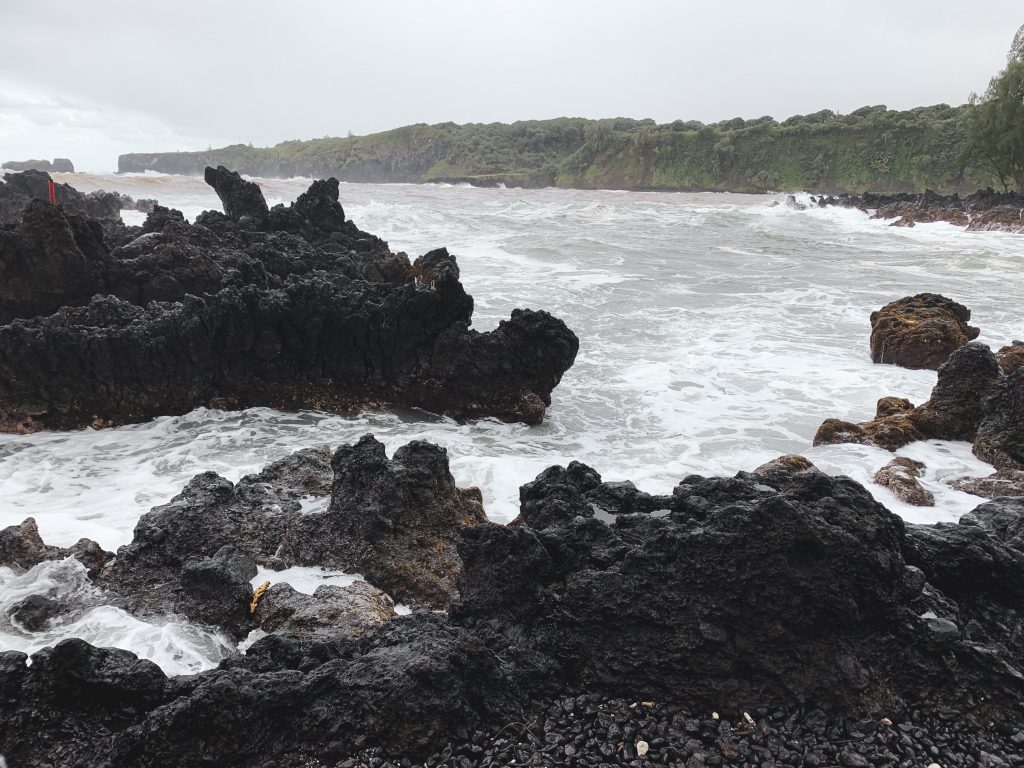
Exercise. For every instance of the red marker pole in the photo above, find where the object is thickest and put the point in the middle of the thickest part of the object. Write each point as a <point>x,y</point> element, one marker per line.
<point>53,193</point>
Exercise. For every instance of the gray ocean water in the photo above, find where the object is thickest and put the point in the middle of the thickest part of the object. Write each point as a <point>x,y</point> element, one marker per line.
<point>716,332</point>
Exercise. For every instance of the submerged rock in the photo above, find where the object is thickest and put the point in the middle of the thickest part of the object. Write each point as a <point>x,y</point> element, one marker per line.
<point>287,308</point>
<point>1005,482</point>
<point>901,477</point>
<point>920,331</point>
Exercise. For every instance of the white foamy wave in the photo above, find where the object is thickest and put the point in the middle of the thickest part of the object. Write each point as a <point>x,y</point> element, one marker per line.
<point>716,332</point>
<point>176,645</point>
<point>305,579</point>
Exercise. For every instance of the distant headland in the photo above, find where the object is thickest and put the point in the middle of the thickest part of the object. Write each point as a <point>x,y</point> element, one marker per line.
<point>872,149</point>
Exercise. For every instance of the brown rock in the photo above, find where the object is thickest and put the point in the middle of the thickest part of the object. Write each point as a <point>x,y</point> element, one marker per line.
<point>890,406</point>
<point>919,331</point>
<point>955,411</point>
<point>900,476</point>
<point>1004,218</point>
<point>1005,482</point>
<point>833,431</point>
<point>891,428</point>
<point>1011,357</point>
<point>352,610</point>
<point>788,463</point>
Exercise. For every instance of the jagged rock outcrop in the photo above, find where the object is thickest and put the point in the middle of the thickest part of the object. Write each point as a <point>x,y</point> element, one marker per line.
<point>17,190</point>
<point>972,400</point>
<point>954,409</point>
<point>920,331</point>
<point>396,521</point>
<point>783,587</point>
<point>307,312</point>
<point>21,547</point>
<point>242,200</point>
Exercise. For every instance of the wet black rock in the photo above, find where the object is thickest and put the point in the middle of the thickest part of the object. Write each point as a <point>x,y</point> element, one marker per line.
<point>413,682</point>
<point>1000,437</point>
<point>34,612</point>
<point>241,199</point>
<point>65,707</point>
<point>789,601</point>
<point>49,259</point>
<point>979,558</point>
<point>954,410</point>
<point>217,589</point>
<point>21,548</point>
<point>292,308</point>
<point>970,388</point>
<point>766,572</point>
<point>396,521</point>
<point>17,190</point>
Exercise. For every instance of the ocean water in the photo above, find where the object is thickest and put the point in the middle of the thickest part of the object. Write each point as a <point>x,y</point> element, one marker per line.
<point>716,331</point>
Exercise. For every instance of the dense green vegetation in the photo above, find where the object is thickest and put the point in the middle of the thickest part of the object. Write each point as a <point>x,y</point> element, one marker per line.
<point>995,125</point>
<point>871,149</point>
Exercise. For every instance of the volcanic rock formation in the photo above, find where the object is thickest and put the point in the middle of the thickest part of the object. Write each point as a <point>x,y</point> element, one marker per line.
<point>972,400</point>
<point>778,588</point>
<point>17,190</point>
<point>919,331</point>
<point>289,308</point>
<point>984,210</point>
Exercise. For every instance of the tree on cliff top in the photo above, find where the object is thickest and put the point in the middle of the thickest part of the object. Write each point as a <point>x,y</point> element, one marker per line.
<point>995,122</point>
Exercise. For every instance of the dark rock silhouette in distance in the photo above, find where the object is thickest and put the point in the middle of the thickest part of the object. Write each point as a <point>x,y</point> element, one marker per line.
<point>59,165</point>
<point>292,307</point>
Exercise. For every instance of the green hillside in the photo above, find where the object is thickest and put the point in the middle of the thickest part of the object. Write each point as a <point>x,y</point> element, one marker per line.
<point>871,149</point>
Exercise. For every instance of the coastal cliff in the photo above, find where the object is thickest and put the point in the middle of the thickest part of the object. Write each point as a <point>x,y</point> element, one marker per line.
<point>872,149</point>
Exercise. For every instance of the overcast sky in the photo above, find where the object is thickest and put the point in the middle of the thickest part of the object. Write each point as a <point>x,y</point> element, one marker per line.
<point>90,79</point>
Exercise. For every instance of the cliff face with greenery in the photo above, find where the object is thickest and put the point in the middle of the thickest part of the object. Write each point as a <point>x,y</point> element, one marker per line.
<point>872,149</point>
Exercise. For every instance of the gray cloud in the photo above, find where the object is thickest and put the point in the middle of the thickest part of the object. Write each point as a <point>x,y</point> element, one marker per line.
<point>105,77</point>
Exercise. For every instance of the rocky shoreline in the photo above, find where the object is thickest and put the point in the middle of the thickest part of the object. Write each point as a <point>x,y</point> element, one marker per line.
<point>983,211</point>
<point>782,590</point>
<point>778,617</point>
